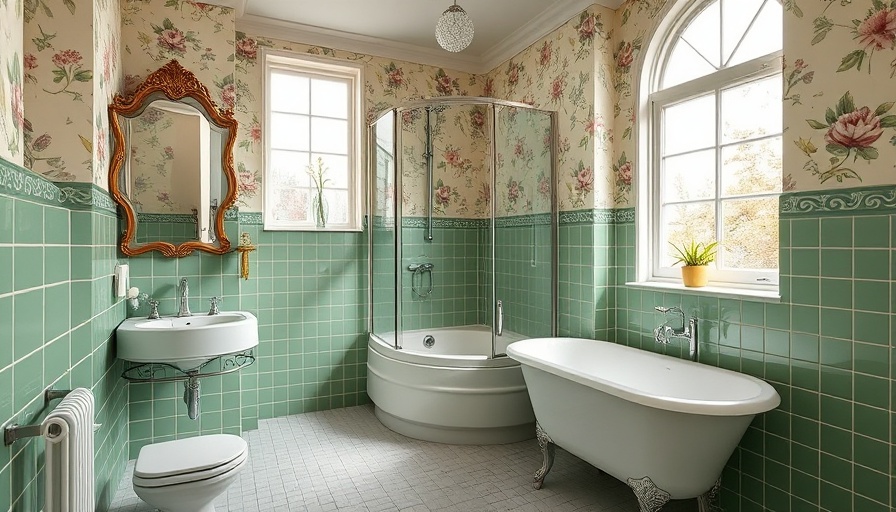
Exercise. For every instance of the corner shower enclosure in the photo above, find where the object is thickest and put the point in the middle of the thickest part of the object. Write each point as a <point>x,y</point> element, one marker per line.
<point>463,260</point>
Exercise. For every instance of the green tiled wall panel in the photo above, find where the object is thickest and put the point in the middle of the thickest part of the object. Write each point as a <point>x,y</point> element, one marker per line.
<point>58,257</point>
<point>827,347</point>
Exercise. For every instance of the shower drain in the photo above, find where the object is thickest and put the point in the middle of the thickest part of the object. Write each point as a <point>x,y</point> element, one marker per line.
<point>429,340</point>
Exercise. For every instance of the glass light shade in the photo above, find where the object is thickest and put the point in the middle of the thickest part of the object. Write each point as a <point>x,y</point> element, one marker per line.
<point>454,30</point>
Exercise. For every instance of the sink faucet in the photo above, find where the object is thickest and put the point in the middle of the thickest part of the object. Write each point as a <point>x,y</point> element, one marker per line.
<point>665,333</point>
<point>183,295</point>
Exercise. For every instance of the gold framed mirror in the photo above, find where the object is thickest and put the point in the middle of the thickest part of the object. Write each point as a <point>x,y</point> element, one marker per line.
<point>172,165</point>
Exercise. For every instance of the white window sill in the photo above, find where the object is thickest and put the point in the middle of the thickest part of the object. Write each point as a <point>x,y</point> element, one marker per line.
<point>766,295</point>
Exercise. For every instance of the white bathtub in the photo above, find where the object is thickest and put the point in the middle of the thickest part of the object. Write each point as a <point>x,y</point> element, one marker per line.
<point>636,414</point>
<point>451,392</point>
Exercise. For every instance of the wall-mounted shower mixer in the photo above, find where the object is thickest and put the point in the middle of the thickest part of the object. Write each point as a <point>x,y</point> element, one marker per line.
<point>422,270</point>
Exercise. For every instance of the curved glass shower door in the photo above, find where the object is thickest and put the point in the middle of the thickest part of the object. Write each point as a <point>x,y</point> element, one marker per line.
<point>463,225</point>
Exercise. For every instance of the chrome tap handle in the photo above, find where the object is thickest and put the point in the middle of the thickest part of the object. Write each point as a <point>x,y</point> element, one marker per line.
<point>153,309</point>
<point>213,310</point>
<point>674,309</point>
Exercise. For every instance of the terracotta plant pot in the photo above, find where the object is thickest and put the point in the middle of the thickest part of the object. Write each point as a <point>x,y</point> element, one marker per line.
<point>695,276</point>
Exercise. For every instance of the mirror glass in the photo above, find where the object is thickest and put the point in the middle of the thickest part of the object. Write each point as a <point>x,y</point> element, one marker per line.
<point>172,166</point>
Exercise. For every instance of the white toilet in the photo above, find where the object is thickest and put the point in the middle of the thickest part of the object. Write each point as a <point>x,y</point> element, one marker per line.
<point>188,474</point>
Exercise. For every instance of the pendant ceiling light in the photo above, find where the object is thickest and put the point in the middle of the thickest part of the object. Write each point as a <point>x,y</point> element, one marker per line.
<point>454,30</point>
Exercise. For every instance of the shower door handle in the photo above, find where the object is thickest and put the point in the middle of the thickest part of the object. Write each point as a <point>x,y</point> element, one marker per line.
<point>499,318</point>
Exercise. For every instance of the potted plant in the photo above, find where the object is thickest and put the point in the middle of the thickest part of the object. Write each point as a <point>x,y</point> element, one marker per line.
<point>695,256</point>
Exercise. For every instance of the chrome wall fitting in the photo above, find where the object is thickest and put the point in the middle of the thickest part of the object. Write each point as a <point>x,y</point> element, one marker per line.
<point>547,450</point>
<point>650,497</point>
<point>191,396</point>
<point>665,333</point>
<point>709,500</point>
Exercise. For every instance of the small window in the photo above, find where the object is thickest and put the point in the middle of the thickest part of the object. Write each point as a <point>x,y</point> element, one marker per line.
<point>714,170</point>
<point>313,143</point>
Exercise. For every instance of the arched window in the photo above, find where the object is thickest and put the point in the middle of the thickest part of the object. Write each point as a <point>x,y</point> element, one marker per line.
<point>714,126</point>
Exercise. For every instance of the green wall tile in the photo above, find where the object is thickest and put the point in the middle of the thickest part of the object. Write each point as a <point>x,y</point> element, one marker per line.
<point>871,231</point>
<point>836,232</point>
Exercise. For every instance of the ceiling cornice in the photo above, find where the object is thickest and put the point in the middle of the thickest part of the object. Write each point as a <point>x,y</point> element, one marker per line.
<point>317,36</point>
<point>549,20</point>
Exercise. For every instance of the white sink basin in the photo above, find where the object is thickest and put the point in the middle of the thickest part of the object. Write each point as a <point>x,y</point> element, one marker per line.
<point>186,342</point>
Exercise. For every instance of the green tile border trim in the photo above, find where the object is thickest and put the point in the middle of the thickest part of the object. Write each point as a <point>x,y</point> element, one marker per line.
<point>16,181</point>
<point>85,196</point>
<point>598,216</point>
<point>849,201</point>
<point>443,222</point>
<point>248,218</point>
<point>233,213</point>
<point>533,219</point>
<point>174,218</point>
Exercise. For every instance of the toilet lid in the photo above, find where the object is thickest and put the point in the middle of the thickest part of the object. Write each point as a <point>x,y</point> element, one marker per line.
<point>185,456</point>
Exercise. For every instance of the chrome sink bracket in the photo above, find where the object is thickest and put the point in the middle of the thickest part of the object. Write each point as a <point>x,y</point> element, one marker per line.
<point>709,500</point>
<point>191,394</point>
<point>547,450</point>
<point>650,497</point>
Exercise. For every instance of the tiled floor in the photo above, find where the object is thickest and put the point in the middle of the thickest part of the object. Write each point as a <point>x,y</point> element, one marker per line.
<point>345,460</point>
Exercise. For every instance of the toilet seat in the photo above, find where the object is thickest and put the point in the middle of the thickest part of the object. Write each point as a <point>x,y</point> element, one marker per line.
<point>189,460</point>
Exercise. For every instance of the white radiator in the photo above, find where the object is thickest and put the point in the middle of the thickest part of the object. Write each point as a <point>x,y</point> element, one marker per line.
<point>68,431</point>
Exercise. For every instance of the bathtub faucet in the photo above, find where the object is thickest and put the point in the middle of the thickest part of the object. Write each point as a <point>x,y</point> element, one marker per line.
<point>665,333</point>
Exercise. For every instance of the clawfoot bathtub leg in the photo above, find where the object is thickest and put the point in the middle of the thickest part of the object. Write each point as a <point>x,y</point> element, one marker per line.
<point>547,449</point>
<point>650,497</point>
<point>709,501</point>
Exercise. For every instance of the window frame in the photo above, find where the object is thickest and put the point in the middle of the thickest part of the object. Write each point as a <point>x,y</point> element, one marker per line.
<point>651,130</point>
<point>326,68</point>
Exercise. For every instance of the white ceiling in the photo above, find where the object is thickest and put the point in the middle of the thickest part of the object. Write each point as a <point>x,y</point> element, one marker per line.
<point>405,29</point>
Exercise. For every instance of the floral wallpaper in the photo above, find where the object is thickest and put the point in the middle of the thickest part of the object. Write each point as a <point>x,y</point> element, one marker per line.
<point>840,63</point>
<point>199,36</point>
<point>389,83</point>
<point>569,71</point>
<point>59,76</point>
<point>106,83</point>
<point>11,94</point>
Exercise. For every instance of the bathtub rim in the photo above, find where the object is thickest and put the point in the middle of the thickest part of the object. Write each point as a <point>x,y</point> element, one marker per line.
<point>383,347</point>
<point>767,399</point>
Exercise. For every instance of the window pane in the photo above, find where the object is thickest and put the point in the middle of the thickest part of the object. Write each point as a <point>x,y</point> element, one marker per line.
<point>683,223</point>
<point>684,64</point>
<point>289,131</point>
<point>329,98</point>
<point>291,204</point>
<point>736,17</point>
<point>752,168</point>
<point>750,233</point>
<point>764,36</point>
<point>690,176</point>
<point>703,34</point>
<point>329,136</point>
<point>289,93</point>
<point>752,110</point>
<point>690,125</point>
<point>288,168</point>
<point>337,169</point>
<point>337,204</point>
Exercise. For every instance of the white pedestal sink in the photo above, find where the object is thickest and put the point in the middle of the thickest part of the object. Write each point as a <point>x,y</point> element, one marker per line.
<point>186,342</point>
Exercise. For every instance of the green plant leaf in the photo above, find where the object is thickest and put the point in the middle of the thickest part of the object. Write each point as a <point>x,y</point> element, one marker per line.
<point>867,153</point>
<point>830,116</point>
<point>883,108</point>
<point>888,121</point>
<point>84,76</point>
<point>817,125</point>
<point>852,60</point>
<point>837,149</point>
<point>846,104</point>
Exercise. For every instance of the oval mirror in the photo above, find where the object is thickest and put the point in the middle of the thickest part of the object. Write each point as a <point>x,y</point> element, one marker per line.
<point>172,165</point>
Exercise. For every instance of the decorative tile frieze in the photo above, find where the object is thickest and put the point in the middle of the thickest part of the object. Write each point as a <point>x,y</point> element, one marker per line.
<point>598,216</point>
<point>250,218</point>
<point>851,201</point>
<point>20,182</point>
<point>173,218</point>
